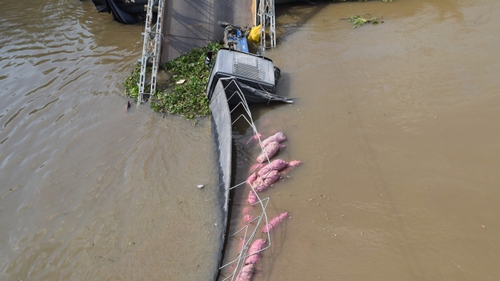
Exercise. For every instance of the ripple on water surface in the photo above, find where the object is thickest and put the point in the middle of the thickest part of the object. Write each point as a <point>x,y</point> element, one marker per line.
<point>91,191</point>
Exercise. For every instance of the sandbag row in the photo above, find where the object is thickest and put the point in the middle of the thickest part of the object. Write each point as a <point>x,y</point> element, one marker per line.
<point>264,174</point>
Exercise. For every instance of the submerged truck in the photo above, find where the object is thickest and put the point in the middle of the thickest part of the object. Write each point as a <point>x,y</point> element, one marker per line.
<point>236,78</point>
<point>255,76</point>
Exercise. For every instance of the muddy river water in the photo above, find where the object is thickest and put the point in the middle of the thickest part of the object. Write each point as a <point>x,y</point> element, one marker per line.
<point>397,125</point>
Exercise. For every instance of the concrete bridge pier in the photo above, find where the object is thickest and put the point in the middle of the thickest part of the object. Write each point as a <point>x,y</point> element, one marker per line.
<point>193,23</point>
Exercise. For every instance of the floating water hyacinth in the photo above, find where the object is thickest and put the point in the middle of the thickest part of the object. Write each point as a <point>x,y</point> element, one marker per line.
<point>358,21</point>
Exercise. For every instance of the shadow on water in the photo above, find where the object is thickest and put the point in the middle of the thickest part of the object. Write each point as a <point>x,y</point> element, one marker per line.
<point>294,16</point>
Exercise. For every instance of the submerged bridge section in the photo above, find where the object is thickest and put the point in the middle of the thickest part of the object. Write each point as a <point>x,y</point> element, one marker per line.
<point>193,23</point>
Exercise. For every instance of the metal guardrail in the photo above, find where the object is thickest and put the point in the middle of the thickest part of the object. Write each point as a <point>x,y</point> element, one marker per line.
<point>151,47</point>
<point>249,231</point>
<point>266,17</point>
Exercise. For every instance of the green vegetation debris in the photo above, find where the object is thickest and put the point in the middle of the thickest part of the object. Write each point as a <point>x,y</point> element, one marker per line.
<point>131,83</point>
<point>358,21</point>
<point>185,91</point>
<point>186,94</point>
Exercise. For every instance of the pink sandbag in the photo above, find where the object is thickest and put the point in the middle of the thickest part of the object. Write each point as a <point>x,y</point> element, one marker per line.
<point>272,177</point>
<point>270,150</point>
<point>254,251</point>
<point>248,218</point>
<point>246,214</point>
<point>247,210</point>
<point>245,273</point>
<point>257,166</point>
<point>252,178</point>
<point>252,198</point>
<point>277,165</point>
<point>274,222</point>
<point>261,184</point>
<point>292,164</point>
<point>253,138</point>
<point>278,137</point>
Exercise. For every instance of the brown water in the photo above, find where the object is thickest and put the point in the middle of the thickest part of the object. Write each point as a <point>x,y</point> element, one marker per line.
<point>396,124</point>
<point>90,191</point>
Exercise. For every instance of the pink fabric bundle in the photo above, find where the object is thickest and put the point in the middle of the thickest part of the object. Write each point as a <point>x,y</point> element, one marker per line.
<point>278,137</point>
<point>272,177</point>
<point>257,166</point>
<point>261,184</point>
<point>269,151</point>
<point>292,164</point>
<point>252,198</point>
<point>246,214</point>
<point>274,222</point>
<point>246,273</point>
<point>252,178</point>
<point>248,218</point>
<point>277,165</point>
<point>254,251</point>
<point>246,210</point>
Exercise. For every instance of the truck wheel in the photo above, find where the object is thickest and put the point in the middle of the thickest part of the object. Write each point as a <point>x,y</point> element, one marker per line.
<point>277,74</point>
